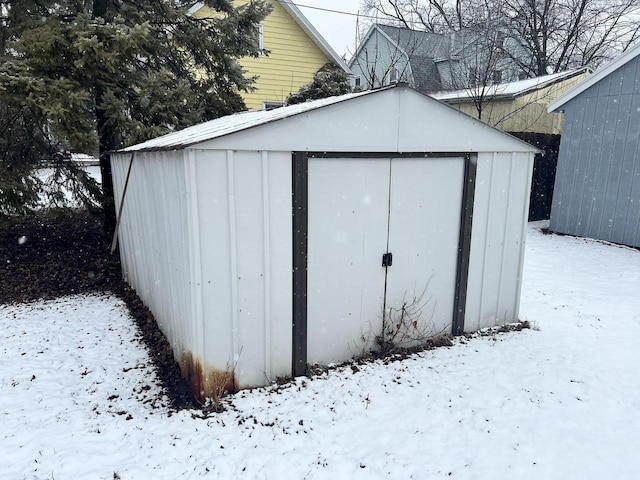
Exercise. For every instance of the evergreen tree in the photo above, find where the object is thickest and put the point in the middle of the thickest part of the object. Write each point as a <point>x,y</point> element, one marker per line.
<point>99,75</point>
<point>329,81</point>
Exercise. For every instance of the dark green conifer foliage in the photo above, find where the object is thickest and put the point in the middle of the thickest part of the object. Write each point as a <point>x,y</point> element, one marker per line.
<point>98,75</point>
<point>329,81</point>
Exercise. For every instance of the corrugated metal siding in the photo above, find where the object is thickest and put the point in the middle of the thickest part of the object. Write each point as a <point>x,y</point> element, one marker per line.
<point>498,234</point>
<point>153,231</point>
<point>597,191</point>
<point>206,243</point>
<point>244,218</point>
<point>245,234</point>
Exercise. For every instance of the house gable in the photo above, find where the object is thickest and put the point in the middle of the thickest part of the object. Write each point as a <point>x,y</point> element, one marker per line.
<point>375,58</point>
<point>390,54</point>
<point>430,61</point>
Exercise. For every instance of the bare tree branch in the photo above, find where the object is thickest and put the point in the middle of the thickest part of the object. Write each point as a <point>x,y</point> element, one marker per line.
<point>557,34</point>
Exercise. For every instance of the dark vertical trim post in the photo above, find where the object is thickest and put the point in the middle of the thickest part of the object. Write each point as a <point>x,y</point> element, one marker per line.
<point>464,243</point>
<point>300,200</point>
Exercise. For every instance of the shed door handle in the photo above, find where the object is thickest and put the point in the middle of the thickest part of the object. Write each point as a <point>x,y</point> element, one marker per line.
<point>387,259</point>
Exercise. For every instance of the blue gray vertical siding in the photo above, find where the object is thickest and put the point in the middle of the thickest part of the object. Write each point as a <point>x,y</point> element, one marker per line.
<point>597,190</point>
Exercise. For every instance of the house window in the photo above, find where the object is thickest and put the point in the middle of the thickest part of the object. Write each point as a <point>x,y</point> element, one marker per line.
<point>269,105</point>
<point>473,75</point>
<point>259,40</point>
<point>393,75</point>
<point>357,81</point>
<point>496,76</point>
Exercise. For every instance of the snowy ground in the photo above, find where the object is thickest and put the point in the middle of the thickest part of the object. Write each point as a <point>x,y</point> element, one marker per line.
<point>77,399</point>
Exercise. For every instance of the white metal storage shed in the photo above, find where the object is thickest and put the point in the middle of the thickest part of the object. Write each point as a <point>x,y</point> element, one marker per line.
<point>258,240</point>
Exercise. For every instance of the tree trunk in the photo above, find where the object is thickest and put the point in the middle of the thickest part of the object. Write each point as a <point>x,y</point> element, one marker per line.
<point>107,143</point>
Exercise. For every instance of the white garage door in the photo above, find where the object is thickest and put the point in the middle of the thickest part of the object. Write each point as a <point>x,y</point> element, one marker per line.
<point>360,209</point>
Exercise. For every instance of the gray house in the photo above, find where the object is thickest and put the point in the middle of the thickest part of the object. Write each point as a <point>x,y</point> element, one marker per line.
<point>597,189</point>
<point>431,62</point>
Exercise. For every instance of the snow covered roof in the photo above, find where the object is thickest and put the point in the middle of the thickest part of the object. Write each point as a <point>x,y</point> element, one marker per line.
<point>307,27</point>
<point>84,158</point>
<point>612,66</point>
<point>235,123</point>
<point>509,90</point>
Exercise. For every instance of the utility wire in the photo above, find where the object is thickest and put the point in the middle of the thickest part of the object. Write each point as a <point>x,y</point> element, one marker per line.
<point>340,12</point>
<point>328,10</point>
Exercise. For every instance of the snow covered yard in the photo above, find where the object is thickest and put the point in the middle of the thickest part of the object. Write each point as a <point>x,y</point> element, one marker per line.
<point>78,398</point>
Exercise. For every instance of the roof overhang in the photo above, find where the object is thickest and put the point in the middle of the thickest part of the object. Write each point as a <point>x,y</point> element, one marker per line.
<point>314,35</point>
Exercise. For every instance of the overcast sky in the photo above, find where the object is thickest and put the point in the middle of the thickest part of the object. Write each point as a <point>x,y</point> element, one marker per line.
<point>337,29</point>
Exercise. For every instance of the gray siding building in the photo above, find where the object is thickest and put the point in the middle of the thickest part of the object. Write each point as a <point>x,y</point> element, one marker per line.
<point>597,189</point>
<point>430,62</point>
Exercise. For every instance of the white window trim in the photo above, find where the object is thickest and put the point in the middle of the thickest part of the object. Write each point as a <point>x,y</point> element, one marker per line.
<point>394,75</point>
<point>260,28</point>
<point>272,104</point>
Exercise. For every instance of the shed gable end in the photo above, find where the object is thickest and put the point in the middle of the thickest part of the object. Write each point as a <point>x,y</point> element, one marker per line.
<point>397,119</point>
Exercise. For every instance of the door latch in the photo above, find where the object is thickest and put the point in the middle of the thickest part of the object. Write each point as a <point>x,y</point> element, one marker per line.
<point>387,259</point>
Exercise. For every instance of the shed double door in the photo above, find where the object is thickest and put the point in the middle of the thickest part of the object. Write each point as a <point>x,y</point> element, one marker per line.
<point>360,209</point>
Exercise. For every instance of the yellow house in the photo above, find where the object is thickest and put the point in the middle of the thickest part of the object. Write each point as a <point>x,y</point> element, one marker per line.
<point>297,52</point>
<point>518,106</point>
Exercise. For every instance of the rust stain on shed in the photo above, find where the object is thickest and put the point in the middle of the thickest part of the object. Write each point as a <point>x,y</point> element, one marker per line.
<point>204,381</point>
